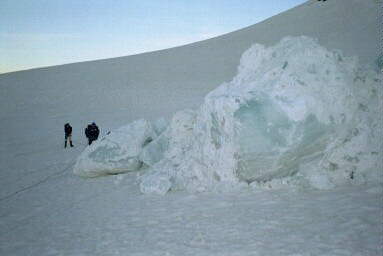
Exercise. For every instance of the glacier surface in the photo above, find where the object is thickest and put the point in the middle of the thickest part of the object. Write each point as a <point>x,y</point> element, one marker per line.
<point>295,114</point>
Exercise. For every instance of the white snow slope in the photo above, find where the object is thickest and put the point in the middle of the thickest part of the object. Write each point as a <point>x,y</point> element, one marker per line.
<point>46,210</point>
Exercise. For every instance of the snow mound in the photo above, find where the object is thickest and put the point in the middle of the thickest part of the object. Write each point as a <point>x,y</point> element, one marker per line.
<point>117,152</point>
<point>295,114</point>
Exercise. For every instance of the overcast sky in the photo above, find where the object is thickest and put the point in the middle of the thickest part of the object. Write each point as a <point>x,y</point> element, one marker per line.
<point>36,33</point>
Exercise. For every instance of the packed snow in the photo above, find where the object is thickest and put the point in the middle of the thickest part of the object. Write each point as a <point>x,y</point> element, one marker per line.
<point>296,114</point>
<point>332,206</point>
<point>109,216</point>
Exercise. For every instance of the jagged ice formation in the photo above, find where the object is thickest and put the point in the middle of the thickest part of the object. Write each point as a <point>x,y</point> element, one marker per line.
<point>295,114</point>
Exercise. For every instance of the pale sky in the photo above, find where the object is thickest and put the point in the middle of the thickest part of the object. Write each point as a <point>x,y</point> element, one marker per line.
<point>37,33</point>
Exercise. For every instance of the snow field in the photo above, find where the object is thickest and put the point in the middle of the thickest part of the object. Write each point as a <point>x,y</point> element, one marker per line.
<point>110,216</point>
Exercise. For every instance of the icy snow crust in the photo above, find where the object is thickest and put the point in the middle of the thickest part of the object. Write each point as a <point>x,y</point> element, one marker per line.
<point>296,114</point>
